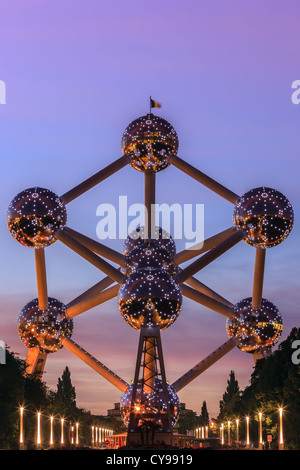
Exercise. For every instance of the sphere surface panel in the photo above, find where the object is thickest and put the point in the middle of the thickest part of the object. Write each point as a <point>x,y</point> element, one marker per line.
<point>149,297</point>
<point>150,406</point>
<point>255,328</point>
<point>266,215</point>
<point>149,141</point>
<point>34,216</point>
<point>160,239</point>
<point>44,328</point>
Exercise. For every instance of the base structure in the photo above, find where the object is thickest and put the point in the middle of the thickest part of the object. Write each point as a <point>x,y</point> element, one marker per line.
<point>150,421</point>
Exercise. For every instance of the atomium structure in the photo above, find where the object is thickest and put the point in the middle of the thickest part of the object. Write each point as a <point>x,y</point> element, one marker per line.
<point>150,284</point>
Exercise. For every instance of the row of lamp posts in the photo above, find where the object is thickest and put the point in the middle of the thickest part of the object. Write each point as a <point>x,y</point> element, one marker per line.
<point>99,434</point>
<point>260,440</point>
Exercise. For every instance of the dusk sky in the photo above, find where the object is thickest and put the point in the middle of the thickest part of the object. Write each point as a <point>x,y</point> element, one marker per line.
<point>76,74</point>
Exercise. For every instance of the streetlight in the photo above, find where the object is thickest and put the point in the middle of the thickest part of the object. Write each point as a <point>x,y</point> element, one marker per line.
<point>51,430</point>
<point>38,436</point>
<point>228,427</point>
<point>222,434</point>
<point>237,430</point>
<point>281,446</point>
<point>21,428</point>
<point>62,431</point>
<point>93,436</point>
<point>247,439</point>
<point>77,437</point>
<point>260,431</point>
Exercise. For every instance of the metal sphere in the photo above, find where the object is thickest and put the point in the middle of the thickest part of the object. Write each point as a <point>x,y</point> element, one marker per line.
<point>34,216</point>
<point>44,328</point>
<point>150,257</point>
<point>150,297</point>
<point>255,328</point>
<point>266,215</point>
<point>150,406</point>
<point>160,238</point>
<point>149,141</point>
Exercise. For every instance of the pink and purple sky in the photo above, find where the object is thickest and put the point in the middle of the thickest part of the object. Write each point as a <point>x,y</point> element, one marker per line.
<point>76,74</point>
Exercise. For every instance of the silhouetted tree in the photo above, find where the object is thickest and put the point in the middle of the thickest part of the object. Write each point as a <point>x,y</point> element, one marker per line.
<point>65,391</point>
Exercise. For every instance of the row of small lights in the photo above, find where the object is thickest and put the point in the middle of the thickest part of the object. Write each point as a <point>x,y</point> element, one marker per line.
<point>98,433</point>
<point>204,430</point>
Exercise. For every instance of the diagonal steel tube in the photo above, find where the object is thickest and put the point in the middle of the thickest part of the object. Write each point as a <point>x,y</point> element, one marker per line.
<point>94,364</point>
<point>204,364</point>
<point>204,179</point>
<point>259,268</point>
<point>94,179</point>
<point>209,256</point>
<point>200,248</point>
<point>199,286</point>
<point>74,308</point>
<point>207,301</point>
<point>97,247</point>
<point>87,254</point>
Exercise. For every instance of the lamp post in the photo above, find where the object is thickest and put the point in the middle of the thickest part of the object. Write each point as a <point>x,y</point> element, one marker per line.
<point>228,427</point>
<point>260,446</point>
<point>77,434</point>
<point>93,436</point>
<point>222,434</point>
<point>21,428</point>
<point>237,431</point>
<point>281,445</point>
<point>62,431</point>
<point>247,438</point>
<point>51,431</point>
<point>38,436</point>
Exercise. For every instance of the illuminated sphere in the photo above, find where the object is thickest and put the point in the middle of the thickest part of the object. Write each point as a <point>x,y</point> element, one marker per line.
<point>255,328</point>
<point>148,142</point>
<point>150,297</point>
<point>266,215</point>
<point>160,238</point>
<point>150,257</point>
<point>34,216</point>
<point>44,328</point>
<point>151,405</point>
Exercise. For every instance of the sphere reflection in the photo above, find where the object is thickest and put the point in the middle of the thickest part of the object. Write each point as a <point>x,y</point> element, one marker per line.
<point>150,297</point>
<point>149,141</point>
<point>34,216</point>
<point>150,406</point>
<point>44,328</point>
<point>159,238</point>
<point>255,328</point>
<point>266,215</point>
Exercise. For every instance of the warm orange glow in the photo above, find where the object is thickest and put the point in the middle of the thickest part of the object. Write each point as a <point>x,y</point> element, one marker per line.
<point>38,437</point>
<point>21,425</point>
<point>51,431</point>
<point>62,431</point>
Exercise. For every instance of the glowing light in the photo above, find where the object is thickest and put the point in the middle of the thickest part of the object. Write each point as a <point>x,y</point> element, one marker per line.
<point>77,435</point>
<point>21,426</point>
<point>280,428</point>
<point>38,437</point>
<point>248,437</point>
<point>62,431</point>
<point>51,430</point>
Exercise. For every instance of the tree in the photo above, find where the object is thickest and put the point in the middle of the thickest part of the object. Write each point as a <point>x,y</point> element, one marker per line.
<point>204,416</point>
<point>231,397</point>
<point>65,391</point>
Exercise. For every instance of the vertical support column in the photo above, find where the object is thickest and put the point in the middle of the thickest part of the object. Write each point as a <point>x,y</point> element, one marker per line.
<point>259,267</point>
<point>149,203</point>
<point>35,362</point>
<point>40,264</point>
<point>149,366</point>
